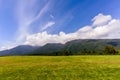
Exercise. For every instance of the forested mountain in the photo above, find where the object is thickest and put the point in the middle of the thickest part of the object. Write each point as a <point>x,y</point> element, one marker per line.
<point>81,46</point>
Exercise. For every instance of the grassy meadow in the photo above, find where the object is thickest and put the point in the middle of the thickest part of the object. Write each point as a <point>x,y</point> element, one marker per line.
<point>60,68</point>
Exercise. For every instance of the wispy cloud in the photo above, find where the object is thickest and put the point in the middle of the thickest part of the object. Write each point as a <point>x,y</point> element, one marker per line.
<point>41,12</point>
<point>26,16</point>
<point>23,17</point>
<point>48,25</point>
<point>52,16</point>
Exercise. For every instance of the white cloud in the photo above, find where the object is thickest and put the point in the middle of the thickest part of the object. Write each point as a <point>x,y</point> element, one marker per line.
<point>8,46</point>
<point>44,37</point>
<point>108,28</point>
<point>101,19</point>
<point>105,29</point>
<point>3,48</point>
<point>49,24</point>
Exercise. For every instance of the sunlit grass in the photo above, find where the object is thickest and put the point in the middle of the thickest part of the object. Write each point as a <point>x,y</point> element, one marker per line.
<point>60,68</point>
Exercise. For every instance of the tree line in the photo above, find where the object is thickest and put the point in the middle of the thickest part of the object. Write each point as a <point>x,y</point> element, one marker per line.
<point>108,50</point>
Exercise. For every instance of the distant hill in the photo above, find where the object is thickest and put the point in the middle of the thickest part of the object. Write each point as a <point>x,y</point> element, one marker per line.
<point>75,46</point>
<point>49,48</point>
<point>19,50</point>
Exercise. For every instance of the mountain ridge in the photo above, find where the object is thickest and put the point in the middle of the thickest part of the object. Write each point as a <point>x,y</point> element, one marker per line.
<point>74,46</point>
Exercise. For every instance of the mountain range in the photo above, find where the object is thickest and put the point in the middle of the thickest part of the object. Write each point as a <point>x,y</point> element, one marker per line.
<point>74,46</point>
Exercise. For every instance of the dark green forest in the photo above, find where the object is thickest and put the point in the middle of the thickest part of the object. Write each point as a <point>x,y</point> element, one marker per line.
<point>108,50</point>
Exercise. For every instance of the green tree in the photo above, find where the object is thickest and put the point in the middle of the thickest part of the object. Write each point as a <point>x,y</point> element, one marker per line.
<point>110,50</point>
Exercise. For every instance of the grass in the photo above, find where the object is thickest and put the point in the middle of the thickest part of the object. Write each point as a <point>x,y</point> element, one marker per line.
<point>60,68</point>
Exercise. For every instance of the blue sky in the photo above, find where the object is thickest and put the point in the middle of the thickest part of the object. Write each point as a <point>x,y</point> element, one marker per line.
<point>47,21</point>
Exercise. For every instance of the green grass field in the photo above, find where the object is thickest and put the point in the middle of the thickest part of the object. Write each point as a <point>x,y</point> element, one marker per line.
<point>60,68</point>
